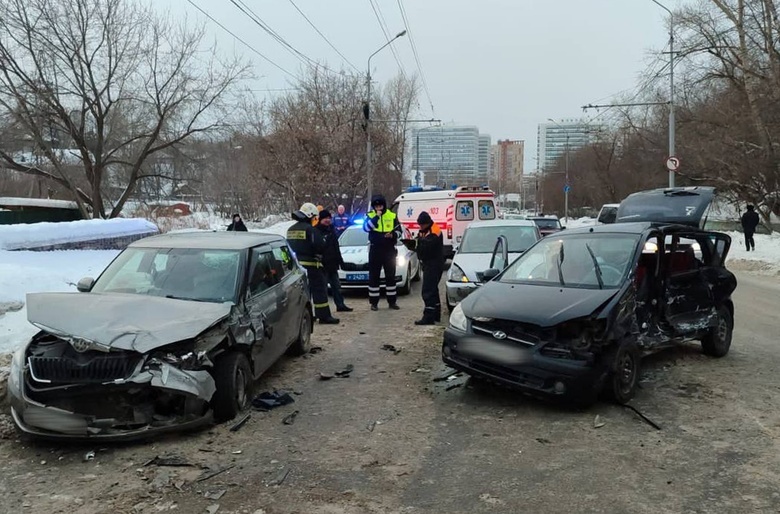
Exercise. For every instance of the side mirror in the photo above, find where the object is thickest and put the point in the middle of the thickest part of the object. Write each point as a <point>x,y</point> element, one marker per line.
<point>490,274</point>
<point>563,228</point>
<point>85,284</point>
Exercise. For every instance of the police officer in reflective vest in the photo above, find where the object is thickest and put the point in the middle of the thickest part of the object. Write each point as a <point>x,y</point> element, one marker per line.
<point>430,251</point>
<point>308,244</point>
<point>383,233</point>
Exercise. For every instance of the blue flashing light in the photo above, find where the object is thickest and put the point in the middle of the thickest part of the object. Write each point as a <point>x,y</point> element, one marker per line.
<point>358,222</point>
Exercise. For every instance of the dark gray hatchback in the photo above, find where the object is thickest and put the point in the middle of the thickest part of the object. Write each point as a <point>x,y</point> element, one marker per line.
<point>573,315</point>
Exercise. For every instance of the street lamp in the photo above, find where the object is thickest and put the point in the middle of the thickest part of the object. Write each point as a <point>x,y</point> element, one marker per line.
<point>367,115</point>
<point>671,86</point>
<point>566,181</point>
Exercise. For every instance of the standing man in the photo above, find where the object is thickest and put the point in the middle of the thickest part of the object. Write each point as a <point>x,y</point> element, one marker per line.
<point>430,251</point>
<point>749,224</point>
<point>237,225</point>
<point>308,245</point>
<point>332,259</point>
<point>383,233</point>
<point>340,222</point>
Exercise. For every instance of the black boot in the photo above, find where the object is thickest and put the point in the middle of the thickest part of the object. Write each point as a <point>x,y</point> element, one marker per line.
<point>329,321</point>
<point>395,307</point>
<point>374,307</point>
<point>425,321</point>
<point>344,308</point>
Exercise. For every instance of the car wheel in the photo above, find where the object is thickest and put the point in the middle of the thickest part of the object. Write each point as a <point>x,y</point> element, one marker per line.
<point>718,341</point>
<point>407,287</point>
<point>233,377</point>
<point>624,369</point>
<point>301,345</point>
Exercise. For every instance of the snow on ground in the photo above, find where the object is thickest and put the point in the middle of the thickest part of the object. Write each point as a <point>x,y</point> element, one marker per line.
<point>32,272</point>
<point>46,234</point>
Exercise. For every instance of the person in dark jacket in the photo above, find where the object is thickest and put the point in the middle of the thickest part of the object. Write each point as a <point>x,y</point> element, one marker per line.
<point>237,225</point>
<point>308,244</point>
<point>749,223</point>
<point>384,230</point>
<point>430,251</point>
<point>341,220</point>
<point>332,259</point>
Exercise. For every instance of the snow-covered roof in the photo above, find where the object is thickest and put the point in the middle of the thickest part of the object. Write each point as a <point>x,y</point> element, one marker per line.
<point>36,235</point>
<point>37,202</point>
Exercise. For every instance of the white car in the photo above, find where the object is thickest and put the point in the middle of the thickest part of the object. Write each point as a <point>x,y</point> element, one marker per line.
<point>354,272</point>
<point>476,249</point>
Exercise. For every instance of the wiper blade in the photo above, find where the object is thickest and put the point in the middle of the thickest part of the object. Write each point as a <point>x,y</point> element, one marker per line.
<point>596,266</point>
<point>559,262</point>
<point>173,297</point>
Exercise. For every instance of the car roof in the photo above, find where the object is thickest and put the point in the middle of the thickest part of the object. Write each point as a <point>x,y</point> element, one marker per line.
<point>502,223</point>
<point>207,240</point>
<point>550,217</point>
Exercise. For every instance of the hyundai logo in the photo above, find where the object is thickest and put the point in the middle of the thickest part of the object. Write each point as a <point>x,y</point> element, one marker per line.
<point>499,335</point>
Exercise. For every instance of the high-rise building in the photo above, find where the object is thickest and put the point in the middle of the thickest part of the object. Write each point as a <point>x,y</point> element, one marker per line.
<point>506,158</point>
<point>553,138</point>
<point>450,154</point>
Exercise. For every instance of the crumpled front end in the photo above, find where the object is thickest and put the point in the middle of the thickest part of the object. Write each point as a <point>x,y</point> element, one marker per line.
<point>65,388</point>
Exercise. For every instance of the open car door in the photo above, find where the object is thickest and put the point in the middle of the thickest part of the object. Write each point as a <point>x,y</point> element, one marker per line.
<point>498,261</point>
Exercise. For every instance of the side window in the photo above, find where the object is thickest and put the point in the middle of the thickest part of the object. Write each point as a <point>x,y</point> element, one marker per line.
<point>263,276</point>
<point>464,210</point>
<point>284,256</point>
<point>487,211</point>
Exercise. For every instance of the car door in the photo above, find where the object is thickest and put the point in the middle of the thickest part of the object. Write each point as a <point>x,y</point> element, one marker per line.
<point>293,297</point>
<point>265,306</point>
<point>688,299</point>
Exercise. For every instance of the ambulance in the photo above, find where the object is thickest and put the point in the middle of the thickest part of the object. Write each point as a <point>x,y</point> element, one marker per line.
<point>453,210</point>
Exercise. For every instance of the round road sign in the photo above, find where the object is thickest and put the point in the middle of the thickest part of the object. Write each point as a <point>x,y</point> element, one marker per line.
<point>672,163</point>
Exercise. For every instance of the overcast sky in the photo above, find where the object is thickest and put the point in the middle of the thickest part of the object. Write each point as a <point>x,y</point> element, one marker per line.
<point>503,65</point>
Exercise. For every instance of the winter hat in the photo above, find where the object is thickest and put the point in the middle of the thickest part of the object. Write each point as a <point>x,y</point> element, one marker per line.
<point>324,213</point>
<point>424,218</point>
<point>378,200</point>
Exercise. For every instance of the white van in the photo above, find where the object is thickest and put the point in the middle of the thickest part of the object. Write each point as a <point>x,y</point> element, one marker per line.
<point>453,210</point>
<point>607,214</point>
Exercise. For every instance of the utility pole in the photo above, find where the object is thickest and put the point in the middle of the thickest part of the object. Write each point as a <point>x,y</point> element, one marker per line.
<point>566,184</point>
<point>367,116</point>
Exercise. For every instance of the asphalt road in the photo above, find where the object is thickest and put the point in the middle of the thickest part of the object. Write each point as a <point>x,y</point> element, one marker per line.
<point>389,439</point>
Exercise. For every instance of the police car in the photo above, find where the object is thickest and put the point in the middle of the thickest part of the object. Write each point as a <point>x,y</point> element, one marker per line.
<point>354,272</point>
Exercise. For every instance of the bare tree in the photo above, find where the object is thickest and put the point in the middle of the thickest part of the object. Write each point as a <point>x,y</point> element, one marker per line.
<point>120,82</point>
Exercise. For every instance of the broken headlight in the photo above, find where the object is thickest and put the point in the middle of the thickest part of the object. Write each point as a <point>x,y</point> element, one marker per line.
<point>576,338</point>
<point>184,356</point>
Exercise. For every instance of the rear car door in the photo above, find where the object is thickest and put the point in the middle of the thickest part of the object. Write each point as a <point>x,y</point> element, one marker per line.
<point>293,294</point>
<point>688,299</point>
<point>265,306</point>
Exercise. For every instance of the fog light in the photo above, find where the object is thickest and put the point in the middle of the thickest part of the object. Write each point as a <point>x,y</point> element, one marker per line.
<point>559,387</point>
<point>446,351</point>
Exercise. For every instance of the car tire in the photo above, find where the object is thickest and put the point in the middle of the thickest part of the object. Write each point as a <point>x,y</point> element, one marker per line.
<point>302,343</point>
<point>623,373</point>
<point>233,378</point>
<point>407,287</point>
<point>718,341</point>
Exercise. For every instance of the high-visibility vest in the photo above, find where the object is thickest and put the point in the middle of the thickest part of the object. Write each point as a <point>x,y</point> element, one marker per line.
<point>385,224</point>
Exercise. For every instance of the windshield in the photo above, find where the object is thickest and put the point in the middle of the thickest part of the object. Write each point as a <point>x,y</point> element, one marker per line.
<point>592,261</point>
<point>483,239</point>
<point>181,273</point>
<point>354,237</point>
<point>547,223</point>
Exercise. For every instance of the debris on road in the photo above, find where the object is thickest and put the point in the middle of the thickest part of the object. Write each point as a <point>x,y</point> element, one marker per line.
<point>453,386</point>
<point>237,452</point>
<point>241,423</point>
<point>344,373</point>
<point>280,478</point>
<point>314,350</point>
<point>90,455</point>
<point>167,460</point>
<point>542,440</point>
<point>215,495</point>
<point>212,474</point>
<point>290,418</point>
<point>325,376</point>
<point>371,426</point>
<point>266,401</point>
<point>446,376</point>
<point>645,418</point>
<point>391,348</point>
<point>212,509</point>
<point>597,423</point>
<point>421,370</point>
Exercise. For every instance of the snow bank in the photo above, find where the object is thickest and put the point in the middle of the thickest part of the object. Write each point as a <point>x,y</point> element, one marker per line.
<point>37,202</point>
<point>37,235</point>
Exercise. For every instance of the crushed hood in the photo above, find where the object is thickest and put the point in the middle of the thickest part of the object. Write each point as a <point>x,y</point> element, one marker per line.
<point>545,306</point>
<point>124,321</point>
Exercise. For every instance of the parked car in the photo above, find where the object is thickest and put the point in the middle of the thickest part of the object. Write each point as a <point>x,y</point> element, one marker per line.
<point>547,224</point>
<point>354,272</point>
<point>573,315</point>
<point>172,334</point>
<point>474,253</point>
<point>607,214</point>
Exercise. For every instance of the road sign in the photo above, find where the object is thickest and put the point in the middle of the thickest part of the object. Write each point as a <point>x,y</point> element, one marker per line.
<point>566,188</point>
<point>672,163</point>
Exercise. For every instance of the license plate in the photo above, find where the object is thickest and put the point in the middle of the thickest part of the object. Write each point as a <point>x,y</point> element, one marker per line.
<point>357,277</point>
<point>493,351</point>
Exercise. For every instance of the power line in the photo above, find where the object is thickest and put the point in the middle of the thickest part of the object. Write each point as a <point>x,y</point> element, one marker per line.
<point>382,25</point>
<point>322,35</point>
<point>416,55</point>
<point>207,15</point>
<point>241,5</point>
